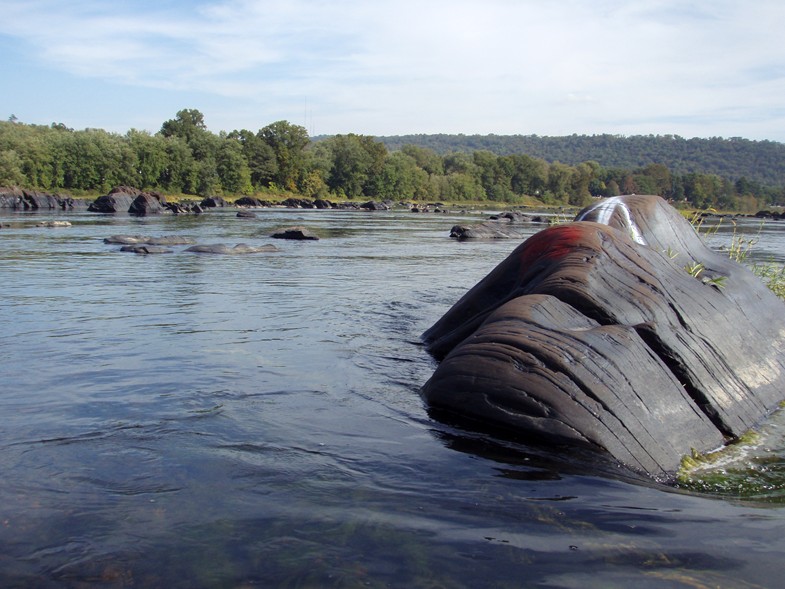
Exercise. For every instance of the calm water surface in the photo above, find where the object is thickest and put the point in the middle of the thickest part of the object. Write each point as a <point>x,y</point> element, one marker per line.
<point>189,420</point>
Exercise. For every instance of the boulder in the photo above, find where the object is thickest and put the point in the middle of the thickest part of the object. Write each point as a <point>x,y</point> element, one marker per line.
<point>212,202</point>
<point>147,203</point>
<point>39,201</point>
<point>298,203</point>
<point>251,201</point>
<point>11,197</point>
<point>486,230</point>
<point>321,203</point>
<point>148,240</point>
<point>593,333</point>
<point>373,205</point>
<point>240,248</point>
<point>298,233</point>
<point>508,225</point>
<point>145,249</point>
<point>118,202</point>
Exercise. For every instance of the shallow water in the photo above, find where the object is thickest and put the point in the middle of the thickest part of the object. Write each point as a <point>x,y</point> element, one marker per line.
<point>187,420</point>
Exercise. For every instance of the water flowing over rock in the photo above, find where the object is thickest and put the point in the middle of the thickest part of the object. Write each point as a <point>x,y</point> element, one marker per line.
<point>593,333</point>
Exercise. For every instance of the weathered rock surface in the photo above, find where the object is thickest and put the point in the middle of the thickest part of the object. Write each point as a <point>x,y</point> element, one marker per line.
<point>12,197</point>
<point>240,248</point>
<point>588,333</point>
<point>148,203</point>
<point>118,202</point>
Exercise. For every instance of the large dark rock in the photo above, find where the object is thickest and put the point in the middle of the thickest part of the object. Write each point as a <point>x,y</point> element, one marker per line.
<point>39,201</point>
<point>373,205</point>
<point>593,333</point>
<point>508,225</point>
<point>296,233</point>
<point>251,201</point>
<point>486,230</point>
<point>148,203</point>
<point>11,197</point>
<point>118,202</point>
<point>213,202</point>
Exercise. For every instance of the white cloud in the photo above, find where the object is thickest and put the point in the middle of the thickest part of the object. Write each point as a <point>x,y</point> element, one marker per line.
<point>397,66</point>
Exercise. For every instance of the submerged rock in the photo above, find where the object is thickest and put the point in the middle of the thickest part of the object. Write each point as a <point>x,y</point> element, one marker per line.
<point>593,333</point>
<point>509,225</point>
<point>240,248</point>
<point>145,249</point>
<point>148,240</point>
<point>53,224</point>
<point>486,230</point>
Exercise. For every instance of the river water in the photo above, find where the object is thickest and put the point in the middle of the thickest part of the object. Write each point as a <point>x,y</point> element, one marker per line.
<point>191,420</point>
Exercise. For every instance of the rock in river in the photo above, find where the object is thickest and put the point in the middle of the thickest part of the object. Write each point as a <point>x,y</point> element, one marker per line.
<point>593,333</point>
<point>240,248</point>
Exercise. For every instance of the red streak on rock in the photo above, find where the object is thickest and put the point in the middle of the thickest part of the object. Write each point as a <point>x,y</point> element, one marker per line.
<point>551,244</point>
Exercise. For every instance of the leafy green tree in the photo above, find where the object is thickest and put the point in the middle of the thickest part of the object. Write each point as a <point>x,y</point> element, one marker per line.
<point>151,158</point>
<point>259,156</point>
<point>661,179</point>
<point>495,175</point>
<point>11,169</point>
<point>188,124</point>
<point>351,165</point>
<point>403,179</point>
<point>529,175</point>
<point>425,158</point>
<point>580,177</point>
<point>356,162</point>
<point>559,176</point>
<point>463,186</point>
<point>181,173</point>
<point>288,143</point>
<point>232,168</point>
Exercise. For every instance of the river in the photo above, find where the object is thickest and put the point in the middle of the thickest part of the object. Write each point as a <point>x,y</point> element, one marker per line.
<point>199,421</point>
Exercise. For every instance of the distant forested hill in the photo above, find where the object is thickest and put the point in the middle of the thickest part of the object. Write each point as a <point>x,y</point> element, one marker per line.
<point>734,158</point>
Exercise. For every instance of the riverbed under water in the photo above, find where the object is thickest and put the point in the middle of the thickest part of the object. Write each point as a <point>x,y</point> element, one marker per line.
<point>190,420</point>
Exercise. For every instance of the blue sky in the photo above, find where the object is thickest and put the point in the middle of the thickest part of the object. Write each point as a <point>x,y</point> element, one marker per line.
<point>389,67</point>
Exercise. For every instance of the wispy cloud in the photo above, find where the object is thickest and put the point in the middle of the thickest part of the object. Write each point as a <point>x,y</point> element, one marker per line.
<point>397,66</point>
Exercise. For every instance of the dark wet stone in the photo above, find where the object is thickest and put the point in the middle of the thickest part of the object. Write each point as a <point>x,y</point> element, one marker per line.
<point>593,333</point>
<point>299,233</point>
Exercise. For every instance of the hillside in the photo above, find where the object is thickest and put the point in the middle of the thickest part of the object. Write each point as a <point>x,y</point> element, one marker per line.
<point>734,158</point>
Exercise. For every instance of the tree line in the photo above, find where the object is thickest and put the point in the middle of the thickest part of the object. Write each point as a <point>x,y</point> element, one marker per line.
<point>735,157</point>
<point>184,157</point>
